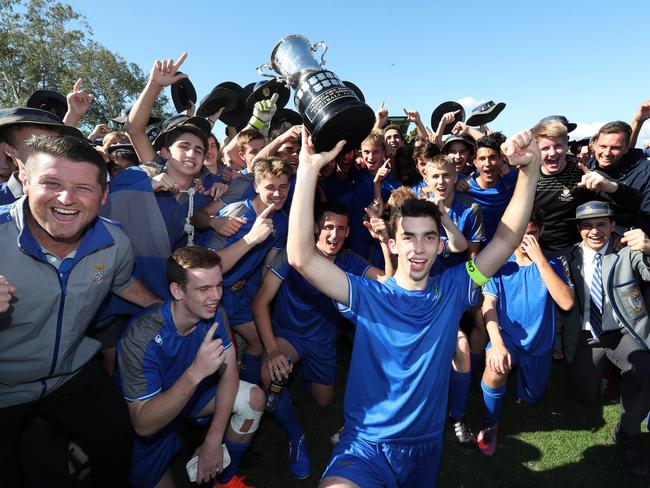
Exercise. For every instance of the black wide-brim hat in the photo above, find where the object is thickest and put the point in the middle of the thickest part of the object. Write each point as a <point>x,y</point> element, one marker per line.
<point>179,121</point>
<point>227,95</point>
<point>183,94</point>
<point>576,145</point>
<point>240,116</point>
<point>444,108</point>
<point>263,90</point>
<point>485,113</point>
<point>124,114</point>
<point>285,115</point>
<point>35,116</point>
<point>50,101</point>
<point>357,91</point>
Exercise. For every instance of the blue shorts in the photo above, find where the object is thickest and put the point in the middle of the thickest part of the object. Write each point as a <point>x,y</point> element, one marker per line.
<point>153,455</point>
<point>318,358</point>
<point>238,304</point>
<point>386,464</point>
<point>531,374</point>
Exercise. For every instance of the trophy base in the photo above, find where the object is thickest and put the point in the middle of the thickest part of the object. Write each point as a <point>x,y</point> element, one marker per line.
<point>352,122</point>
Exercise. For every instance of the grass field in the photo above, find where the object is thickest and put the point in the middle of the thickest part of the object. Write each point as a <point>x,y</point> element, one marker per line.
<point>557,443</point>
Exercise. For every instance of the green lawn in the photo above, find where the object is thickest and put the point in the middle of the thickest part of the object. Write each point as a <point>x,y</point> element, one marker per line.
<point>558,443</point>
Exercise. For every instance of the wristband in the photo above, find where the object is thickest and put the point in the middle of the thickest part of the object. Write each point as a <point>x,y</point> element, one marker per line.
<point>257,123</point>
<point>477,277</point>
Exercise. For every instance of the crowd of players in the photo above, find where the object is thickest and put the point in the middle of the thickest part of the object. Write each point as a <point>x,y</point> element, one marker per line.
<point>470,254</point>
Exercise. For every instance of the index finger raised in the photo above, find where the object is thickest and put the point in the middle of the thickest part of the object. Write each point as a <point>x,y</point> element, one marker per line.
<point>180,60</point>
<point>210,333</point>
<point>77,85</point>
<point>584,169</point>
<point>265,213</point>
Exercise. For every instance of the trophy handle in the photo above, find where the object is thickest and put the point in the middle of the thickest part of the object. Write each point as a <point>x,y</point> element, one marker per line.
<point>260,70</point>
<point>314,47</point>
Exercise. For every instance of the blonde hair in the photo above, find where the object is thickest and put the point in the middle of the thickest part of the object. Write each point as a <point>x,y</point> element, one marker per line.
<point>550,129</point>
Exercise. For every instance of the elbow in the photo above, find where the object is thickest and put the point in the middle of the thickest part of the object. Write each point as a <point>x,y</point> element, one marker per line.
<point>567,304</point>
<point>142,430</point>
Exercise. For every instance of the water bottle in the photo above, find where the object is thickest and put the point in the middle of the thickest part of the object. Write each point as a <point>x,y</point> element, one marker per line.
<point>275,390</point>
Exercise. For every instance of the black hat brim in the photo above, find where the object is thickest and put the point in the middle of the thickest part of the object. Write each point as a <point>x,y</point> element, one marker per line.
<point>478,119</point>
<point>444,108</point>
<point>183,94</point>
<point>268,88</point>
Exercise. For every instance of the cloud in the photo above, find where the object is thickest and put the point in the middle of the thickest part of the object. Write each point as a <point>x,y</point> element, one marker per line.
<point>585,129</point>
<point>470,103</point>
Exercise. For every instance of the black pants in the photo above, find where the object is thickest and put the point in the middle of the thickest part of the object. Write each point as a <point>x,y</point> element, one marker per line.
<point>631,358</point>
<point>90,411</point>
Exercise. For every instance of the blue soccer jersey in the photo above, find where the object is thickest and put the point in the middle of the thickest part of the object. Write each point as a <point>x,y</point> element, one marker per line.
<point>493,201</point>
<point>152,355</point>
<point>526,311</point>
<point>399,373</point>
<point>300,307</point>
<point>466,214</point>
<point>252,261</point>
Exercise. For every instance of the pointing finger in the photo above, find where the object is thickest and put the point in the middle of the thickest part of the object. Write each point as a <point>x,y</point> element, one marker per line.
<point>210,333</point>
<point>265,213</point>
<point>180,61</point>
<point>584,169</point>
<point>274,98</point>
<point>77,85</point>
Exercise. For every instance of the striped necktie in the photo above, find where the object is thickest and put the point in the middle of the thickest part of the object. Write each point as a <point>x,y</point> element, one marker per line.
<point>596,299</point>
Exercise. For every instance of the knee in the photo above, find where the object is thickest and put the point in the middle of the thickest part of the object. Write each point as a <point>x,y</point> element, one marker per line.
<point>256,399</point>
<point>324,399</point>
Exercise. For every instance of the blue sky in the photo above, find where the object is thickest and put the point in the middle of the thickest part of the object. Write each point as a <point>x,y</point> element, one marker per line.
<point>582,59</point>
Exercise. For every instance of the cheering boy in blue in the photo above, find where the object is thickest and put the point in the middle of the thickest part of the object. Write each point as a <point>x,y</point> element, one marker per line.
<point>519,309</point>
<point>406,328</point>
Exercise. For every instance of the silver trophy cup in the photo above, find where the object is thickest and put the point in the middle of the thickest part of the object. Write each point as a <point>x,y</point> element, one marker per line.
<point>329,109</point>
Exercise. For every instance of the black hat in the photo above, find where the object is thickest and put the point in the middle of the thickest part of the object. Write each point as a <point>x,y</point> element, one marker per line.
<point>121,147</point>
<point>50,101</point>
<point>485,113</point>
<point>179,121</point>
<point>240,116</point>
<point>226,94</point>
<point>465,139</point>
<point>444,108</point>
<point>264,89</point>
<point>285,115</point>
<point>27,116</point>
<point>124,114</point>
<point>183,94</point>
<point>357,91</point>
<point>576,145</point>
<point>152,132</point>
<point>570,126</point>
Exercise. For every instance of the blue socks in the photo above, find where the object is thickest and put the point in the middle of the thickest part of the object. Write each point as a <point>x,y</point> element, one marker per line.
<point>458,393</point>
<point>236,451</point>
<point>250,368</point>
<point>493,398</point>
<point>284,414</point>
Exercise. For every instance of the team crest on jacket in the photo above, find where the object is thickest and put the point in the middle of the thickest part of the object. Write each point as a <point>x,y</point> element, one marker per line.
<point>99,272</point>
<point>636,300</point>
<point>566,196</point>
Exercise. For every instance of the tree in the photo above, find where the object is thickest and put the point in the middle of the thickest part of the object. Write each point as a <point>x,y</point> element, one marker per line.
<point>45,44</point>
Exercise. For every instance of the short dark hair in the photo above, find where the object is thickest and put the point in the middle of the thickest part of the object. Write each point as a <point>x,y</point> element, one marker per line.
<point>426,151</point>
<point>332,206</point>
<point>191,257</point>
<point>8,133</point>
<point>414,208</point>
<point>393,127</point>
<point>70,148</point>
<point>537,217</point>
<point>177,132</point>
<point>491,142</point>
<point>615,127</point>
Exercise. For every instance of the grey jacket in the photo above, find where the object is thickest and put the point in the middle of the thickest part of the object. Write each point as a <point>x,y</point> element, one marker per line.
<point>622,273</point>
<point>43,334</point>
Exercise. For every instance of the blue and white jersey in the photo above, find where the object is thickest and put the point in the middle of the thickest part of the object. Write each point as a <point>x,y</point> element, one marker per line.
<point>152,355</point>
<point>398,381</point>
<point>300,307</point>
<point>526,311</point>
<point>252,261</point>
<point>493,201</point>
<point>466,214</point>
